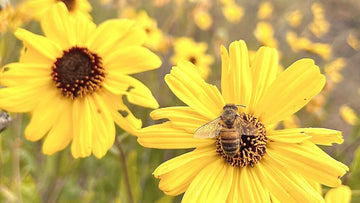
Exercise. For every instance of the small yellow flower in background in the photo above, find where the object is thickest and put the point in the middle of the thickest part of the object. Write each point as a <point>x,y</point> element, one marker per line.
<point>339,194</point>
<point>264,33</point>
<point>319,26</point>
<point>301,43</point>
<point>155,39</point>
<point>280,163</point>
<point>188,49</point>
<point>265,10</point>
<point>12,17</point>
<point>295,18</point>
<point>349,115</point>
<point>5,12</point>
<point>232,12</point>
<point>38,8</point>
<point>202,18</point>
<point>291,122</point>
<point>353,41</point>
<point>72,81</point>
<point>332,70</point>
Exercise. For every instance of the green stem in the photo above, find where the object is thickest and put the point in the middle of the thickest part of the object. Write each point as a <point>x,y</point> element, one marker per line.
<point>125,171</point>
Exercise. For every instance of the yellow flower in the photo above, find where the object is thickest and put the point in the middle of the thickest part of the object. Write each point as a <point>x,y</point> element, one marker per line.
<point>270,162</point>
<point>202,18</point>
<point>265,34</point>
<point>349,115</point>
<point>265,10</point>
<point>187,49</point>
<point>291,122</point>
<point>353,41</point>
<point>38,8</point>
<point>232,12</point>
<point>294,18</point>
<point>340,194</point>
<point>301,43</point>
<point>319,26</point>
<point>12,17</point>
<point>332,70</point>
<point>72,81</point>
<point>155,39</point>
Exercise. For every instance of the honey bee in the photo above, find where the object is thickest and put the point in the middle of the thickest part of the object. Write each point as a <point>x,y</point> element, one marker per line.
<point>230,127</point>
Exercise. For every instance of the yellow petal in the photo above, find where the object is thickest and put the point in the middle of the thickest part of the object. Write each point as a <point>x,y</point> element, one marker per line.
<point>103,136</point>
<point>127,34</point>
<point>61,133</point>
<point>187,84</point>
<point>181,117</point>
<point>38,49</point>
<point>250,184</point>
<point>42,118</point>
<point>323,136</point>
<point>24,98</point>
<point>136,92</point>
<point>212,184</point>
<point>164,136</point>
<point>58,26</point>
<point>83,27</point>
<point>308,160</point>
<point>283,184</point>
<point>176,174</point>
<point>12,73</point>
<point>296,135</point>
<point>264,71</point>
<point>291,90</point>
<point>340,194</point>
<point>130,60</point>
<point>236,77</point>
<point>82,128</point>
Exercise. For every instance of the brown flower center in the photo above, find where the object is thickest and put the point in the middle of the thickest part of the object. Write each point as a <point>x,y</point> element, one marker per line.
<point>193,60</point>
<point>78,72</point>
<point>252,147</point>
<point>70,4</point>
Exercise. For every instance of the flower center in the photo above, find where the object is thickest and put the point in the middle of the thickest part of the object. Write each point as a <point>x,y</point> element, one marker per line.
<point>70,4</point>
<point>193,60</point>
<point>78,72</point>
<point>252,146</point>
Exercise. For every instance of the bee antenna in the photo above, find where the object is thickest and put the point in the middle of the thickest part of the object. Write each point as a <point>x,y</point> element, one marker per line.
<point>241,105</point>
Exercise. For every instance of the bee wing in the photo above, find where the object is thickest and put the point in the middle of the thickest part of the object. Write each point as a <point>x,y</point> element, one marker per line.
<point>209,130</point>
<point>244,127</point>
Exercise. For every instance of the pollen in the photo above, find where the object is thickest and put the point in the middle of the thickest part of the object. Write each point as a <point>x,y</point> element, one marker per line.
<point>252,147</point>
<point>78,72</point>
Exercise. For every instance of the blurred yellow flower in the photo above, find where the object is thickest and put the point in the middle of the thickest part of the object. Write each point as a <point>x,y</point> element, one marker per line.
<point>155,39</point>
<point>319,26</point>
<point>188,49</point>
<point>301,43</point>
<point>38,8</point>
<point>332,70</point>
<point>72,81</point>
<point>269,162</point>
<point>264,33</point>
<point>353,41</point>
<point>316,105</point>
<point>295,18</point>
<point>12,17</point>
<point>291,122</point>
<point>265,10</point>
<point>202,18</point>
<point>349,115</point>
<point>339,194</point>
<point>232,12</point>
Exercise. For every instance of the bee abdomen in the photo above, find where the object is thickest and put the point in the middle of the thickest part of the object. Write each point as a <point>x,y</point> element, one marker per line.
<point>230,143</point>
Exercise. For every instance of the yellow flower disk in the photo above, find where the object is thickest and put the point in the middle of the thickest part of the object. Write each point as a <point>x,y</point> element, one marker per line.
<point>72,81</point>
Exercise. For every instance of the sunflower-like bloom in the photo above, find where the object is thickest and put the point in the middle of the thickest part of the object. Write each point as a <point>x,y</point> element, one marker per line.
<point>269,162</point>
<point>72,81</point>
<point>188,49</point>
<point>38,8</point>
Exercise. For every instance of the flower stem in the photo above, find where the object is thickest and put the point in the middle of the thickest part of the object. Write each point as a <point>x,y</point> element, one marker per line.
<point>125,171</point>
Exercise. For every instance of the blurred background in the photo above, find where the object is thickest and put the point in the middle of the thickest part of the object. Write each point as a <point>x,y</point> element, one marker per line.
<point>326,31</point>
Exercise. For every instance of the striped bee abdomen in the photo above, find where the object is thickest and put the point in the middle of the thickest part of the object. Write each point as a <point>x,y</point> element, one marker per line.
<point>230,141</point>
